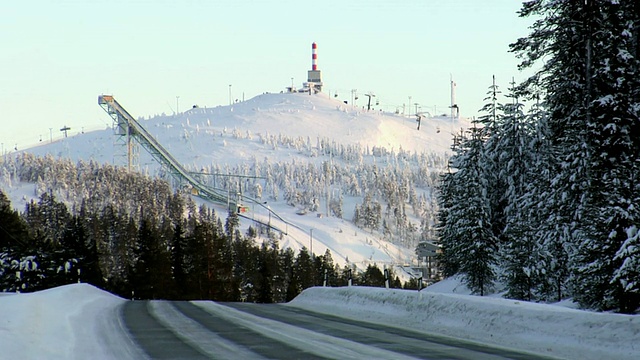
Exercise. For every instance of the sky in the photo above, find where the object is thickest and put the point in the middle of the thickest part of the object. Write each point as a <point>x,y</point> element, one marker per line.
<point>79,321</point>
<point>162,56</point>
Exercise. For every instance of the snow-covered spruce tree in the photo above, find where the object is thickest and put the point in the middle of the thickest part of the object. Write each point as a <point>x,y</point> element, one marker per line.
<point>13,229</point>
<point>506,159</point>
<point>591,59</point>
<point>613,130</point>
<point>492,166</point>
<point>514,154</point>
<point>468,223</point>
<point>447,195</point>
<point>547,268</point>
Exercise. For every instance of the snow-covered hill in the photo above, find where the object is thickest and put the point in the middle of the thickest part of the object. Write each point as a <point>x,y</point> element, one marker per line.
<point>284,128</point>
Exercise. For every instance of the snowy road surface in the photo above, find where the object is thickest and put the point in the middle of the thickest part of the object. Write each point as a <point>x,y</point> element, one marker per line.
<point>208,330</point>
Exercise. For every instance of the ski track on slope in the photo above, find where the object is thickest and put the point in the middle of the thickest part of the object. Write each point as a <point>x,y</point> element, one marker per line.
<point>301,338</point>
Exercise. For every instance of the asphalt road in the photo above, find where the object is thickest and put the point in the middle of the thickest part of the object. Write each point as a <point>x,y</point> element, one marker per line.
<point>208,330</point>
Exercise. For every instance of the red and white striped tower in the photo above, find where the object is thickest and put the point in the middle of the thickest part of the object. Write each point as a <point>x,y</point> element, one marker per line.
<point>314,57</point>
<point>314,76</point>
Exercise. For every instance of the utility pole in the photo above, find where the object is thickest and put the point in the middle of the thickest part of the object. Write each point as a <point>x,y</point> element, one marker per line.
<point>311,241</point>
<point>230,100</point>
<point>177,105</point>
<point>453,95</point>
<point>354,97</point>
<point>409,106</point>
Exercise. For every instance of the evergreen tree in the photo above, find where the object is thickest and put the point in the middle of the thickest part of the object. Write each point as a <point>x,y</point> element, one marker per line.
<point>515,160</point>
<point>265,274</point>
<point>373,276</point>
<point>593,111</point>
<point>469,219</point>
<point>303,274</point>
<point>13,230</point>
<point>178,260</point>
<point>152,267</point>
<point>450,192</point>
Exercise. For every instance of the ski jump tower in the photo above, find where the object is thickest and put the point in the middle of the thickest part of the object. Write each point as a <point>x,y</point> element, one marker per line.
<point>127,128</point>
<point>314,76</point>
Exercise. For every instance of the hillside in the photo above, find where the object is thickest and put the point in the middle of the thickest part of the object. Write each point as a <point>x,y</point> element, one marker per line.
<point>302,147</point>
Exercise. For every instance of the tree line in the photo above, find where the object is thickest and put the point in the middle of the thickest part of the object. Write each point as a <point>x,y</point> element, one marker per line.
<point>163,248</point>
<point>545,200</point>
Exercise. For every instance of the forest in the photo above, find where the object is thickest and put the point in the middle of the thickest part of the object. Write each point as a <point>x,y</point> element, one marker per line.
<point>542,193</point>
<point>137,238</point>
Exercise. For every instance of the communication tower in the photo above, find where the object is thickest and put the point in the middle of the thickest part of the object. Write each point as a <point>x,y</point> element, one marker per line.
<point>314,76</point>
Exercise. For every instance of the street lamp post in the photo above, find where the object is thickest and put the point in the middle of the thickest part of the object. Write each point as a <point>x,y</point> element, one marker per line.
<point>177,105</point>
<point>230,100</point>
<point>311,241</point>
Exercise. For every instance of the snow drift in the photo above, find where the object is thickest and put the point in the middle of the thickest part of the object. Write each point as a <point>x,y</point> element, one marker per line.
<point>539,328</point>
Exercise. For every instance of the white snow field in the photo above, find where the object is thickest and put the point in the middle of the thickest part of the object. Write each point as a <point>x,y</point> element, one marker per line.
<point>80,321</point>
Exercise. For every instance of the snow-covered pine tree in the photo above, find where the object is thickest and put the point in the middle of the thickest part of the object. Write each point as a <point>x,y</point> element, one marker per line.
<point>593,106</point>
<point>491,134</point>
<point>548,265</point>
<point>560,37</point>
<point>447,195</point>
<point>468,223</point>
<point>474,227</point>
<point>515,157</point>
<point>613,125</point>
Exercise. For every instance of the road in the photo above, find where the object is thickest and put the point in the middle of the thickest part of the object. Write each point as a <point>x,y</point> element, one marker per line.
<point>208,330</point>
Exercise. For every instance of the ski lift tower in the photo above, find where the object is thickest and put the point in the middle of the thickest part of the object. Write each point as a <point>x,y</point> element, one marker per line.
<point>314,76</point>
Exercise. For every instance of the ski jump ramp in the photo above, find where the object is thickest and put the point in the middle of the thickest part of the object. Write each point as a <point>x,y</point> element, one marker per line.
<point>126,125</point>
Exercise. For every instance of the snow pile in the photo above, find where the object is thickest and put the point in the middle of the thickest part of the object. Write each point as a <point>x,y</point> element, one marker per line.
<point>72,321</point>
<point>544,329</point>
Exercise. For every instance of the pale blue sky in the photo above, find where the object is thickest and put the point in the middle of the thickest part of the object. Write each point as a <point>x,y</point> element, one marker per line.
<point>59,55</point>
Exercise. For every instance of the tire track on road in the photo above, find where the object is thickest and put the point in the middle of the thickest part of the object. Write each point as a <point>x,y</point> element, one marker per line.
<point>153,337</point>
<point>402,341</point>
<point>243,335</point>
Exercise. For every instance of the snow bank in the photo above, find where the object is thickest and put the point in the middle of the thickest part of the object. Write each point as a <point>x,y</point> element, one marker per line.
<point>544,329</point>
<point>59,323</point>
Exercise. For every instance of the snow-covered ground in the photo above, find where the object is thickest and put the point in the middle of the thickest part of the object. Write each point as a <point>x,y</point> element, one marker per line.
<point>80,321</point>
<point>205,137</point>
